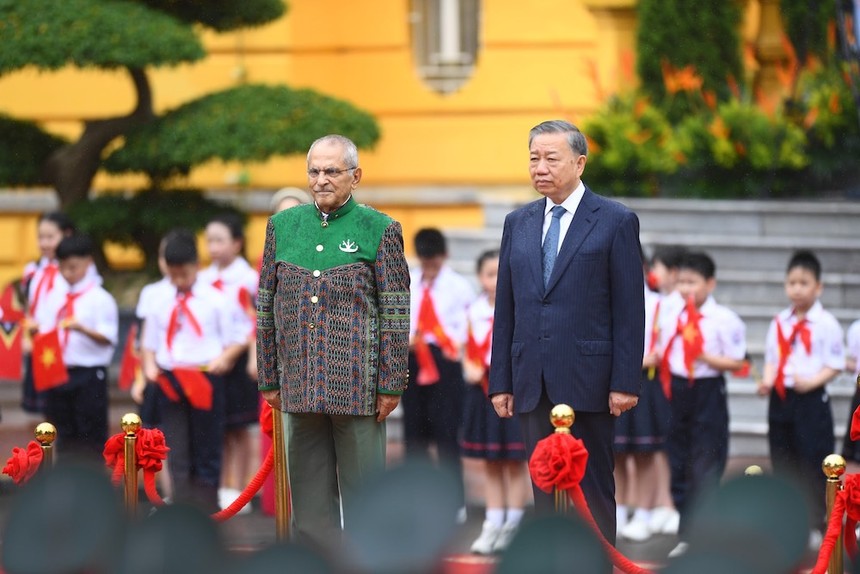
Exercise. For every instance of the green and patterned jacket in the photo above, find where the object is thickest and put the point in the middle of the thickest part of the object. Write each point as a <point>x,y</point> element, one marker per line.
<point>333,310</point>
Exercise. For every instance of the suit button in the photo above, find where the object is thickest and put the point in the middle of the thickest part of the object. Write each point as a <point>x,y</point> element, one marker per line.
<point>315,299</point>
<point>310,325</point>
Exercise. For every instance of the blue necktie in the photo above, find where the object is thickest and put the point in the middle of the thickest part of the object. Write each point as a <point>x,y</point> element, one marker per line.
<point>550,242</point>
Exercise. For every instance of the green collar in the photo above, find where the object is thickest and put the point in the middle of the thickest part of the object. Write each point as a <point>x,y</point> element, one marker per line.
<point>340,211</point>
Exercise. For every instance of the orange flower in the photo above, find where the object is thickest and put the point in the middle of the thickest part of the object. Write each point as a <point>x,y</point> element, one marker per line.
<point>639,138</point>
<point>710,99</point>
<point>741,149</point>
<point>810,118</point>
<point>593,146</point>
<point>833,105</point>
<point>639,107</point>
<point>718,128</point>
<point>733,86</point>
<point>669,79</point>
<point>688,80</point>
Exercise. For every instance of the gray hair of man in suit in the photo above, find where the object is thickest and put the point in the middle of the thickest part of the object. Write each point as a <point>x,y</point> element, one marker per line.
<point>575,138</point>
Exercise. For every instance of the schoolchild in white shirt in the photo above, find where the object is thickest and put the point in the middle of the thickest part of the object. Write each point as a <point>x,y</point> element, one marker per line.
<point>850,448</point>
<point>38,282</point>
<point>701,340</point>
<point>433,401</point>
<point>87,322</point>
<point>231,274</point>
<point>804,351</point>
<point>189,345</point>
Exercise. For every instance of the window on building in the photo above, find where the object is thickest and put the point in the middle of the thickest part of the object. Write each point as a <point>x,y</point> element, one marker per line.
<point>445,41</point>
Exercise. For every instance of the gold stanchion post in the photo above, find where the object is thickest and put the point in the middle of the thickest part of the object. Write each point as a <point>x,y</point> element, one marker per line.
<point>130,424</point>
<point>282,478</point>
<point>753,470</point>
<point>46,434</point>
<point>562,416</point>
<point>833,468</point>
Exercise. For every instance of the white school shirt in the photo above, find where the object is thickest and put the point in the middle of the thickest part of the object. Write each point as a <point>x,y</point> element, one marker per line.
<point>481,322</point>
<point>827,349</point>
<point>653,309</point>
<point>452,294</point>
<point>238,275</point>
<point>570,205</point>
<point>145,301</point>
<point>57,295</point>
<point>853,347</point>
<point>723,332</point>
<point>216,316</point>
<point>95,309</point>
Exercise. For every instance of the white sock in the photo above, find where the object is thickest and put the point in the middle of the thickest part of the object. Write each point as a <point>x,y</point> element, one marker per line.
<point>621,514</point>
<point>496,516</point>
<point>514,516</point>
<point>642,515</point>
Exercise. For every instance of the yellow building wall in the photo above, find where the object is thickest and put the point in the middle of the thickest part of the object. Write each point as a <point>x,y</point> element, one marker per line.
<point>537,60</point>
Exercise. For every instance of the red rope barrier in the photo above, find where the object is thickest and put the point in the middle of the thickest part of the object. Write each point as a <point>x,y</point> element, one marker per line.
<point>150,451</point>
<point>253,487</point>
<point>559,462</point>
<point>834,525</point>
<point>24,462</point>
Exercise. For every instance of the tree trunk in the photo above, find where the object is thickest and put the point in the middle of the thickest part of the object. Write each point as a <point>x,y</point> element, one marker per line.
<point>71,168</point>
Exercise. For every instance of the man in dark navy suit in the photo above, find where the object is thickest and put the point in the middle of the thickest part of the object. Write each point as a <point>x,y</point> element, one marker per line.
<point>570,319</point>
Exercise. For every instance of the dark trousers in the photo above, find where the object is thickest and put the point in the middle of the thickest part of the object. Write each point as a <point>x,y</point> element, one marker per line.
<point>597,432</point>
<point>195,438</point>
<point>800,433</point>
<point>698,442</point>
<point>433,413</point>
<point>79,410</point>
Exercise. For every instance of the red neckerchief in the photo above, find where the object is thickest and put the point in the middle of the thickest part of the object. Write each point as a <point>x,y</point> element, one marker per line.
<point>428,322</point>
<point>691,333</point>
<point>477,353</point>
<point>67,311</point>
<point>45,284</point>
<point>785,346</point>
<point>181,306</point>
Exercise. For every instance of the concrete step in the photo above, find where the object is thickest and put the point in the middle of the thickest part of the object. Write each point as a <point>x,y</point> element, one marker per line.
<point>749,218</point>
<point>759,287</point>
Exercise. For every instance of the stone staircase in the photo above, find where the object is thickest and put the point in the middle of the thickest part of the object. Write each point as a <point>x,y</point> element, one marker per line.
<point>751,242</point>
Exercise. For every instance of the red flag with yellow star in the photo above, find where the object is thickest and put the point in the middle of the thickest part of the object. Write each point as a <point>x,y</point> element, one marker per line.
<point>11,335</point>
<point>49,370</point>
<point>692,336</point>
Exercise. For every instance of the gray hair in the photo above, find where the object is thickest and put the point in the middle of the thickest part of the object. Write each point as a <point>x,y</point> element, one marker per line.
<point>575,139</point>
<point>350,152</point>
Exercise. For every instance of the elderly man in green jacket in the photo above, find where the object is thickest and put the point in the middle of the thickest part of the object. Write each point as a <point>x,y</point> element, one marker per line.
<point>332,328</point>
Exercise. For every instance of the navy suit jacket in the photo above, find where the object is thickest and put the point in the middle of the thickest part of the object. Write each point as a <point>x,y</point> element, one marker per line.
<point>582,336</point>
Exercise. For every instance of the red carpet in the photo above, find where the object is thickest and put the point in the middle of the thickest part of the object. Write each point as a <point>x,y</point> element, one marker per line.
<point>472,564</point>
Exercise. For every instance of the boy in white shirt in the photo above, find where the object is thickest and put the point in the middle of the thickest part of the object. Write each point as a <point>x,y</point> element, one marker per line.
<point>189,344</point>
<point>87,323</point>
<point>804,351</point>
<point>701,340</point>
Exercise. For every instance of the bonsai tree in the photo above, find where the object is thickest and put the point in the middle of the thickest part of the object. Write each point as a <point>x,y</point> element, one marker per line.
<point>136,36</point>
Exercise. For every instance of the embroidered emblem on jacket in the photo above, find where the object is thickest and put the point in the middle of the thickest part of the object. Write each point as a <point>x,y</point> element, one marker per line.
<point>348,246</point>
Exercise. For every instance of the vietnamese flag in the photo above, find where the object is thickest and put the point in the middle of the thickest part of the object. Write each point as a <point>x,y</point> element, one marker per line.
<point>129,367</point>
<point>11,335</point>
<point>194,384</point>
<point>49,370</point>
<point>692,337</point>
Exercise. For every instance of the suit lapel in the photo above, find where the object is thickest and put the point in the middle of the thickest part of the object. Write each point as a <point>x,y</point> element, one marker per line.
<point>582,224</point>
<point>534,233</point>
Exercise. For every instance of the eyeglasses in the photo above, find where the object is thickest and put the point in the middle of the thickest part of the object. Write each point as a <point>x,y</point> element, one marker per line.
<point>329,172</point>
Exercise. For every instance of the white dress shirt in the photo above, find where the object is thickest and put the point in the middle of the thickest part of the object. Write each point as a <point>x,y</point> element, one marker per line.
<point>570,205</point>
<point>853,347</point>
<point>216,315</point>
<point>827,349</point>
<point>723,334</point>
<point>481,322</point>
<point>452,294</point>
<point>96,310</point>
